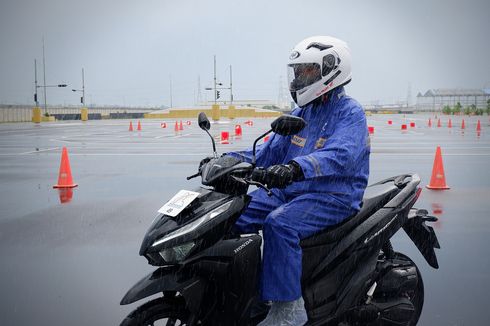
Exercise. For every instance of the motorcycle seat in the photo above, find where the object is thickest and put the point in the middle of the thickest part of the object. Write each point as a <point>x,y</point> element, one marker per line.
<point>375,197</point>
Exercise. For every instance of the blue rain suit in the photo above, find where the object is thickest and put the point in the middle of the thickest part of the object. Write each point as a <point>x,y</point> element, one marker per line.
<point>333,152</point>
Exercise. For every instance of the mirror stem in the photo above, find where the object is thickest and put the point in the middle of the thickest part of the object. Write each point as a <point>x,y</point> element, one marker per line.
<point>255,143</point>
<point>214,144</point>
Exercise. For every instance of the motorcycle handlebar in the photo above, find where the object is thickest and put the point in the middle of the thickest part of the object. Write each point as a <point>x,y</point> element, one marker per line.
<point>259,175</point>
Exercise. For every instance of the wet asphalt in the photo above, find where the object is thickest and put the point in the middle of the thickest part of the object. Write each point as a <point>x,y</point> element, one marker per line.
<point>70,263</point>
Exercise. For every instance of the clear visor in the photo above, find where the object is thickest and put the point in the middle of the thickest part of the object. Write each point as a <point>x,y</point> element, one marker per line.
<point>301,75</point>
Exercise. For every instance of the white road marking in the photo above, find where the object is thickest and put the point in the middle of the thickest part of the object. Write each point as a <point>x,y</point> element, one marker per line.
<point>41,150</point>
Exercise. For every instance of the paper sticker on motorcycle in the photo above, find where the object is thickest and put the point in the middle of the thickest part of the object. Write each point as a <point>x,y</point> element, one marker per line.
<point>178,202</point>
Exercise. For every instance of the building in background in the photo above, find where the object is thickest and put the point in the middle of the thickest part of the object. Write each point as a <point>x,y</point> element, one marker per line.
<point>436,99</point>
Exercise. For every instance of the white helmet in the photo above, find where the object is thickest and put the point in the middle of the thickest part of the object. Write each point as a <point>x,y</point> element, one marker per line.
<point>316,66</point>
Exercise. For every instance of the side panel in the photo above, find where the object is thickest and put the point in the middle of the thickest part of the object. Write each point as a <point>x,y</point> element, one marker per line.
<point>238,283</point>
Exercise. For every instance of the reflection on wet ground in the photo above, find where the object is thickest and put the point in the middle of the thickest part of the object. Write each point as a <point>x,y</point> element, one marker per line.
<point>68,256</point>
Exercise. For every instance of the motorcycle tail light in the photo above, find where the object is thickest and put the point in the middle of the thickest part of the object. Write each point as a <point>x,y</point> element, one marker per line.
<point>417,194</point>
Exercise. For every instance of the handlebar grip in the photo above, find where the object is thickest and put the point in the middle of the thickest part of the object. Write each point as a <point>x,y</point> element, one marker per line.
<point>259,175</point>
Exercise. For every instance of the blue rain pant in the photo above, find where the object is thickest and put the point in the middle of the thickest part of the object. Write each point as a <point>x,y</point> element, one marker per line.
<point>286,220</point>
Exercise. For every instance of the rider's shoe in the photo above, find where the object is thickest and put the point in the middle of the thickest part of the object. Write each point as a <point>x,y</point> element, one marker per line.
<point>291,313</point>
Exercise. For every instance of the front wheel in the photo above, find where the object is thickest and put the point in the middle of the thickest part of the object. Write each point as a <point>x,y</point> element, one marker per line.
<point>161,311</point>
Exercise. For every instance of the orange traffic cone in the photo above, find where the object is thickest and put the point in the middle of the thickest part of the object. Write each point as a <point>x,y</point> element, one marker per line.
<point>130,125</point>
<point>181,127</point>
<point>176,128</point>
<point>449,123</point>
<point>430,123</point>
<point>438,179</point>
<point>439,123</point>
<point>225,136</point>
<point>478,126</point>
<point>64,179</point>
<point>462,125</point>
<point>139,126</point>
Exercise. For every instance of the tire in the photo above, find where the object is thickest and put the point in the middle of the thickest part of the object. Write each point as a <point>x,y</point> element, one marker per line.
<point>165,311</point>
<point>417,297</point>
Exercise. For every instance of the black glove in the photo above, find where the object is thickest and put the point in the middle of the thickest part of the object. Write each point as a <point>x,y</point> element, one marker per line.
<point>280,176</point>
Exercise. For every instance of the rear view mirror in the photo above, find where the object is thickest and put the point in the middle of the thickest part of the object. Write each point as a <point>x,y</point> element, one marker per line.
<point>287,125</point>
<point>203,121</point>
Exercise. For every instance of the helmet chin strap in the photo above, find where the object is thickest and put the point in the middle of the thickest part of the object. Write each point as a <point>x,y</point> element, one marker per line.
<point>325,97</point>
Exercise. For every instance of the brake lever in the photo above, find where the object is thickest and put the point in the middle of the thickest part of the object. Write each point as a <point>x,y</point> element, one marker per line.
<point>253,183</point>
<point>258,184</point>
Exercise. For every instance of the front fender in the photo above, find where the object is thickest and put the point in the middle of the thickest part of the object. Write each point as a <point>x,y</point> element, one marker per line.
<point>161,280</point>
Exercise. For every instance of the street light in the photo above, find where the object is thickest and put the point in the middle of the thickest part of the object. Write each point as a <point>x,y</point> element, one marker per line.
<point>43,87</point>
<point>44,80</point>
<point>82,99</point>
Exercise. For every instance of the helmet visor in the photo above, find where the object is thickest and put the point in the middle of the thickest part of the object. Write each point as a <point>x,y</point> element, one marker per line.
<point>301,75</point>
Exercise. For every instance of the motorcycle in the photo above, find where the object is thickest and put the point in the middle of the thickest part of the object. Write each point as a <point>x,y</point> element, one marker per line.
<point>208,274</point>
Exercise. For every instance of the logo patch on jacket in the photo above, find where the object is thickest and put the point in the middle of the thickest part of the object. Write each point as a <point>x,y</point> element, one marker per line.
<point>320,142</point>
<point>298,141</point>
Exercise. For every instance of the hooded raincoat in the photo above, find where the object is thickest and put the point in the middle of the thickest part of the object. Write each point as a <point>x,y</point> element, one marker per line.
<point>333,152</point>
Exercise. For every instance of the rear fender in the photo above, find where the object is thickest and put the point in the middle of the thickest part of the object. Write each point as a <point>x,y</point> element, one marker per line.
<point>422,235</point>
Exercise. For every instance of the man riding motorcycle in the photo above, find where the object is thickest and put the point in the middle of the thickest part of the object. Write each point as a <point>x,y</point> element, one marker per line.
<point>319,175</point>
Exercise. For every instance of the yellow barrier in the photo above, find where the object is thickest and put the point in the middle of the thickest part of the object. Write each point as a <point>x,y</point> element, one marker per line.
<point>49,119</point>
<point>231,112</point>
<point>36,115</point>
<point>215,112</point>
<point>84,114</point>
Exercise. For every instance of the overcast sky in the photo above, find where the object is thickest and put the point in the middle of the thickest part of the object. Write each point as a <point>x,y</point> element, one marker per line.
<point>129,49</point>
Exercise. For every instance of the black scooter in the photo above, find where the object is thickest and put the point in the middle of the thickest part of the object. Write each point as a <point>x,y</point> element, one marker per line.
<point>208,275</point>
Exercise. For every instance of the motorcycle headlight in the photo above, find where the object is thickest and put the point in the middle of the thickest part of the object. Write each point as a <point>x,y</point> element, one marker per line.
<point>177,253</point>
<point>194,225</point>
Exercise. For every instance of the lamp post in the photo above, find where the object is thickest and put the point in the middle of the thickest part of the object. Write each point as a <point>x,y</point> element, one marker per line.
<point>82,99</point>
<point>44,88</point>
<point>44,81</point>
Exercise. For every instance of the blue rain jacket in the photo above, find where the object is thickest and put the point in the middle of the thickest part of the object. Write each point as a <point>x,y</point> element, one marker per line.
<point>333,152</point>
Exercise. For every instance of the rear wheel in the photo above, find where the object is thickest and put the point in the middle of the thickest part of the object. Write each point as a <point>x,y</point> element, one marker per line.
<point>160,311</point>
<point>415,294</point>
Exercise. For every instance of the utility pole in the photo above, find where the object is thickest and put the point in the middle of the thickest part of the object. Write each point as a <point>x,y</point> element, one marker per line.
<point>82,99</point>
<point>44,80</point>
<point>215,79</point>
<point>231,88</point>
<point>35,83</point>
<point>83,88</point>
<point>199,94</point>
